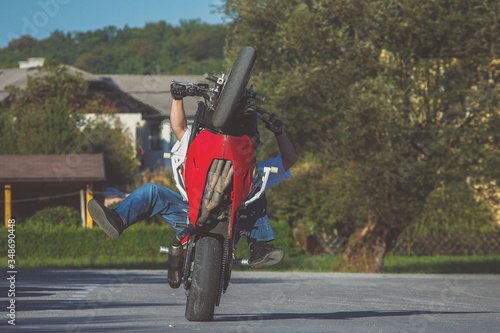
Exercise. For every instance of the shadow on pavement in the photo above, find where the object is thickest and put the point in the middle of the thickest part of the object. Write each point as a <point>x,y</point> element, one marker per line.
<point>335,315</point>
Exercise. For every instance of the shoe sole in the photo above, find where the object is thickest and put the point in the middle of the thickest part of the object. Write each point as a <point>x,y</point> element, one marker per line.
<point>99,216</point>
<point>272,258</point>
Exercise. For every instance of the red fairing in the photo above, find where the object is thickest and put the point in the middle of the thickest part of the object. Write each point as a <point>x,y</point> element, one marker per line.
<point>208,146</point>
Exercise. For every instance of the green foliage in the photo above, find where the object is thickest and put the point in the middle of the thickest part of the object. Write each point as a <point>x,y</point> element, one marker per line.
<point>59,241</point>
<point>43,117</point>
<point>120,164</point>
<point>439,264</point>
<point>284,238</point>
<point>192,47</point>
<point>60,246</point>
<point>48,117</point>
<point>394,99</point>
<point>7,133</point>
<point>51,217</point>
<point>308,204</point>
<point>43,239</point>
<point>453,211</point>
<point>46,234</point>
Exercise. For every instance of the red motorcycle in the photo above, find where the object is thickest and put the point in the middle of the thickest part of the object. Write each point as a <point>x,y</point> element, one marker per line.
<point>218,177</point>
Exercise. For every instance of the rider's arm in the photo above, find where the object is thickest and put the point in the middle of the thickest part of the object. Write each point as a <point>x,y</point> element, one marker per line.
<point>178,118</point>
<point>288,154</point>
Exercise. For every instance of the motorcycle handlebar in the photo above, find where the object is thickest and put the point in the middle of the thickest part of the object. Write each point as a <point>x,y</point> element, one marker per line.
<point>252,94</point>
<point>201,88</point>
<point>194,89</point>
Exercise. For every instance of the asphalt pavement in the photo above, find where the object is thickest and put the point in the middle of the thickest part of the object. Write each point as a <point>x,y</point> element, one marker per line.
<point>142,301</point>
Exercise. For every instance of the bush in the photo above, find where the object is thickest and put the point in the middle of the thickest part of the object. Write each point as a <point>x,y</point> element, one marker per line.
<point>162,176</point>
<point>59,242</point>
<point>454,210</point>
<point>312,202</point>
<point>54,216</point>
<point>284,238</point>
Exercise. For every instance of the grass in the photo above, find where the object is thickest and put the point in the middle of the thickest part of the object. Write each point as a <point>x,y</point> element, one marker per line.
<point>95,262</point>
<point>475,264</point>
<point>303,263</point>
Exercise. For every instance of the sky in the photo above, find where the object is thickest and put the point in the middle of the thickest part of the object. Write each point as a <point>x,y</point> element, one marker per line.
<point>39,18</point>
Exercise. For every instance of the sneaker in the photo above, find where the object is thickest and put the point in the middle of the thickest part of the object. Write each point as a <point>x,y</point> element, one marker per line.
<point>264,254</point>
<point>109,220</point>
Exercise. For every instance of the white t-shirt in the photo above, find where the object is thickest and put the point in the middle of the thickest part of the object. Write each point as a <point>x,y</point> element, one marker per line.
<point>180,149</point>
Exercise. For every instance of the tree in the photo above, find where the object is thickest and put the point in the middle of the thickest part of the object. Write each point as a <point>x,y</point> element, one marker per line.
<point>396,99</point>
<point>46,114</point>
<point>48,117</point>
<point>100,136</point>
<point>192,47</point>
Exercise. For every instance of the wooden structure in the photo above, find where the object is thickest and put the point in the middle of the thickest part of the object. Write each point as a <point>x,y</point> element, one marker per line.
<point>33,182</point>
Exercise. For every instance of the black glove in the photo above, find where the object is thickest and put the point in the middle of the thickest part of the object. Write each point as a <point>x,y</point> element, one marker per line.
<point>178,91</point>
<point>275,125</point>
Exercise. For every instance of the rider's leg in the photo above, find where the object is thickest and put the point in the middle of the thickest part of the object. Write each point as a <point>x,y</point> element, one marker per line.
<point>151,199</point>
<point>143,203</point>
<point>263,254</point>
<point>260,230</point>
<point>257,228</point>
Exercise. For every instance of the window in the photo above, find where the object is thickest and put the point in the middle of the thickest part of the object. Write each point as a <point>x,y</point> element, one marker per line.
<point>155,141</point>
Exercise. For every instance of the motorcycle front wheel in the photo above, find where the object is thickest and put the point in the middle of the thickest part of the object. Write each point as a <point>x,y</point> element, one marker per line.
<point>236,82</point>
<point>205,280</point>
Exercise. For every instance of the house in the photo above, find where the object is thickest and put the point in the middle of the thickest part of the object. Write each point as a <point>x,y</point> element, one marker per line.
<point>32,182</point>
<point>142,104</point>
<point>152,131</point>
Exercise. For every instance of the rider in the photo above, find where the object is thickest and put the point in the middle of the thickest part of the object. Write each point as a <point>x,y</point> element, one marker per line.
<point>151,199</point>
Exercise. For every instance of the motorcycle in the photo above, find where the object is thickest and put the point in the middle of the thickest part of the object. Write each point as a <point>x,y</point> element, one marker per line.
<point>218,177</point>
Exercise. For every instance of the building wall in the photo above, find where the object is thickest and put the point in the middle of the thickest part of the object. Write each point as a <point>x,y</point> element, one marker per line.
<point>155,137</point>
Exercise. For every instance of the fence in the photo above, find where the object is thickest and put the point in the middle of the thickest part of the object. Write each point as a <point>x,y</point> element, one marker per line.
<point>422,245</point>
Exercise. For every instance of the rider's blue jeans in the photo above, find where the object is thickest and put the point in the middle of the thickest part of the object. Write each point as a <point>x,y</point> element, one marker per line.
<point>151,199</point>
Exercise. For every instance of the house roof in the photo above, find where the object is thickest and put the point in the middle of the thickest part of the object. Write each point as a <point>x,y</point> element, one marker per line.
<point>14,76</point>
<point>154,90</point>
<point>25,168</point>
<point>19,77</point>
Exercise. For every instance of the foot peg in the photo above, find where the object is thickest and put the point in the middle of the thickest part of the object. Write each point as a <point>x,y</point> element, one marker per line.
<point>242,262</point>
<point>164,250</point>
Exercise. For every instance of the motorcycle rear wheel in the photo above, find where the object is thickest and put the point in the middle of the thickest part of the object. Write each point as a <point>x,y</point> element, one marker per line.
<point>233,88</point>
<point>205,280</point>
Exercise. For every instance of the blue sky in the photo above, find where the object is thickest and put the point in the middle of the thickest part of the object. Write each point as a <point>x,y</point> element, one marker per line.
<point>39,18</point>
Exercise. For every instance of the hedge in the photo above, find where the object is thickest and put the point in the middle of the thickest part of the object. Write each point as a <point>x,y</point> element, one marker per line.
<point>76,242</point>
<point>92,245</point>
